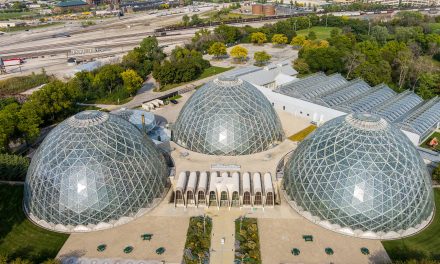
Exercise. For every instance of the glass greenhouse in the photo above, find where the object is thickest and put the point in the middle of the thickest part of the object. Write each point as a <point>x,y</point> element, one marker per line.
<point>227,116</point>
<point>360,175</point>
<point>93,171</point>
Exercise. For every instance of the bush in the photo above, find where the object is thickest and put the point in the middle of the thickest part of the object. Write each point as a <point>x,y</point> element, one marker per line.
<point>13,167</point>
<point>16,85</point>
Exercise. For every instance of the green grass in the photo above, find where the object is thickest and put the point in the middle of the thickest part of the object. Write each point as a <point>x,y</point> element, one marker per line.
<point>18,236</point>
<point>425,244</point>
<point>21,28</point>
<point>321,32</point>
<point>213,70</point>
<point>425,143</point>
<point>299,136</point>
<point>15,15</point>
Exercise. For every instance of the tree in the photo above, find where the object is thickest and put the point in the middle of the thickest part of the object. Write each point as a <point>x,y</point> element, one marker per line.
<point>374,73</point>
<point>8,125</point>
<point>428,86</point>
<point>13,168</point>
<point>311,35</point>
<point>227,33</point>
<point>150,49</point>
<point>258,38</point>
<point>217,49</point>
<point>132,81</point>
<point>261,58</point>
<point>195,20</point>
<point>380,33</point>
<point>352,61</point>
<point>108,78</point>
<point>403,59</point>
<point>239,53</point>
<point>298,41</point>
<point>301,66</point>
<point>185,20</point>
<point>279,39</point>
<point>20,261</point>
<point>52,261</point>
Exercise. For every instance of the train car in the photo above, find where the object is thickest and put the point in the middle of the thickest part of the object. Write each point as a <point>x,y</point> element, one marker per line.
<point>13,62</point>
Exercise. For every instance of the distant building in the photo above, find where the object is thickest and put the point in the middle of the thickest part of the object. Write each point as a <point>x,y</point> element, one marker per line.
<point>406,2</point>
<point>71,6</point>
<point>7,24</point>
<point>266,10</point>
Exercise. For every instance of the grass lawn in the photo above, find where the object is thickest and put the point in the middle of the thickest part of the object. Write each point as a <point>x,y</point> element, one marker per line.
<point>303,133</point>
<point>321,32</point>
<point>425,143</point>
<point>18,236</point>
<point>15,15</point>
<point>213,70</point>
<point>423,245</point>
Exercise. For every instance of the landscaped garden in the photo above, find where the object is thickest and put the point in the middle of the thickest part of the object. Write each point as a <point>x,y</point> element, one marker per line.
<point>198,240</point>
<point>19,237</point>
<point>247,242</point>
<point>299,136</point>
<point>422,246</point>
<point>426,142</point>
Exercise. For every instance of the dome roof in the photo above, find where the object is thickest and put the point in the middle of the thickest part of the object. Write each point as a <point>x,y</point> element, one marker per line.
<point>360,175</point>
<point>135,117</point>
<point>93,171</point>
<point>227,116</point>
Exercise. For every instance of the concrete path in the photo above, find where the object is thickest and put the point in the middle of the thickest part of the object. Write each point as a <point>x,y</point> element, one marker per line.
<point>223,227</point>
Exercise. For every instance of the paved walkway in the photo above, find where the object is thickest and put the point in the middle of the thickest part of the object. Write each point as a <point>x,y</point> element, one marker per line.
<point>223,227</point>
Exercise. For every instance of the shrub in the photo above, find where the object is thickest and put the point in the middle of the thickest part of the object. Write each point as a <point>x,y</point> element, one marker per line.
<point>13,167</point>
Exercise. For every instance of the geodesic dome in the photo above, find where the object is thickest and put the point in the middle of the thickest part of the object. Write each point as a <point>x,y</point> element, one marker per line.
<point>227,116</point>
<point>361,176</point>
<point>143,120</point>
<point>93,171</point>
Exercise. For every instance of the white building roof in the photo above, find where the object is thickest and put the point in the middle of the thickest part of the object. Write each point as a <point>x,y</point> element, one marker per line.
<point>246,182</point>
<point>203,182</point>
<point>256,180</point>
<point>181,182</point>
<point>192,182</point>
<point>268,187</point>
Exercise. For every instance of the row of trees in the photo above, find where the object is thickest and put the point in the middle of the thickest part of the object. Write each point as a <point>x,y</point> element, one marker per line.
<point>260,38</point>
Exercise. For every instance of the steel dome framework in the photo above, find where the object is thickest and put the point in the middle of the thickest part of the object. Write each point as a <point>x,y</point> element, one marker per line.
<point>360,175</point>
<point>227,116</point>
<point>93,171</point>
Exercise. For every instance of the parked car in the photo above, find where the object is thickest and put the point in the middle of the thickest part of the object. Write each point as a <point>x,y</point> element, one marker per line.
<point>174,101</point>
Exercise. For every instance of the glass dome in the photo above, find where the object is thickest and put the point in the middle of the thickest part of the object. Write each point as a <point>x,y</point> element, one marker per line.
<point>227,116</point>
<point>360,175</point>
<point>143,120</point>
<point>93,171</point>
